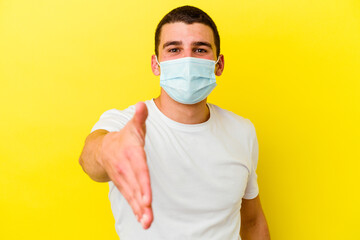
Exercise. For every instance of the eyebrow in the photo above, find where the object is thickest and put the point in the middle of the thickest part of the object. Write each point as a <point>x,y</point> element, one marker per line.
<point>202,44</point>
<point>177,43</point>
<point>172,43</point>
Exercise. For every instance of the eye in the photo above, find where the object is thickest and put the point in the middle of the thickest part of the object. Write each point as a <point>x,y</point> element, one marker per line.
<point>173,50</point>
<point>200,50</point>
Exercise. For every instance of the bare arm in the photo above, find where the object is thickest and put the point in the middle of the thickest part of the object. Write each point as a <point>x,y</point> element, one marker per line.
<point>120,157</point>
<point>253,222</point>
<point>89,160</point>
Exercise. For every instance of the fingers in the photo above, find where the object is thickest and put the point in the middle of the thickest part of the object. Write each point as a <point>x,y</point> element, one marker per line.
<point>136,186</point>
<point>137,158</point>
<point>130,189</point>
<point>141,174</point>
<point>142,178</point>
<point>147,219</point>
<point>129,194</point>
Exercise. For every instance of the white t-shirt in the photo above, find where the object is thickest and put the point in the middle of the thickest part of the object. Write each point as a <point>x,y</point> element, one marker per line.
<point>199,174</point>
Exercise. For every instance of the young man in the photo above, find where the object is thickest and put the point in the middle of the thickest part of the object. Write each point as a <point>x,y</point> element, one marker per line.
<point>176,163</point>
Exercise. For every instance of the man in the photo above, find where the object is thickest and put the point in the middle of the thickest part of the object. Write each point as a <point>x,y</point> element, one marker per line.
<point>176,163</point>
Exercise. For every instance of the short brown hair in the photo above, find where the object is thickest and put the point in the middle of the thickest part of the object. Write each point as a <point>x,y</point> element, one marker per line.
<point>188,15</point>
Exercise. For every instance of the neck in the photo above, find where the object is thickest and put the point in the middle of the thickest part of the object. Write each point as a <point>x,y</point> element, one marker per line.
<point>182,113</point>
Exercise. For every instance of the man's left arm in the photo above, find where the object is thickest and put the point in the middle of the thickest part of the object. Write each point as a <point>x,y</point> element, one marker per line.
<point>253,222</point>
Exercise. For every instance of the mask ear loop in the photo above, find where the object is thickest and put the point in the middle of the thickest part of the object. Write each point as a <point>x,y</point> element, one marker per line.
<point>157,60</point>
<point>217,60</point>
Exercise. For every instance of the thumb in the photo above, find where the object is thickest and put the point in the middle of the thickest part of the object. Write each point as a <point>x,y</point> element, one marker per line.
<point>141,114</point>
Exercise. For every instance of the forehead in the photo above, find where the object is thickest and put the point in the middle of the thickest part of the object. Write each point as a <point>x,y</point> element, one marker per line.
<point>186,33</point>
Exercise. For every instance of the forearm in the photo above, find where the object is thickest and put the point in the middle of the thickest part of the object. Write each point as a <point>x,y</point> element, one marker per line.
<point>89,157</point>
<point>256,230</point>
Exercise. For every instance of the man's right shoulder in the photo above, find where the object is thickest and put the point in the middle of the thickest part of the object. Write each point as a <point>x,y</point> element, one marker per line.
<point>114,119</point>
<point>116,113</point>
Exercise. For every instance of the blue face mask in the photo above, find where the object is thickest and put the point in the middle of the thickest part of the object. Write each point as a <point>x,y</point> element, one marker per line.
<point>188,80</point>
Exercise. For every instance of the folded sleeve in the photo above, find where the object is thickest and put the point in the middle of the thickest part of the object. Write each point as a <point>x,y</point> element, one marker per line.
<point>114,120</point>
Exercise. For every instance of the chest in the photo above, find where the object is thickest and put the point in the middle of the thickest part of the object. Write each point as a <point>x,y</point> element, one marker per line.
<point>197,171</point>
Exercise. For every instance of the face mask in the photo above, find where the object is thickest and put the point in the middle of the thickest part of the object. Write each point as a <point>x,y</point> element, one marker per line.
<point>188,80</point>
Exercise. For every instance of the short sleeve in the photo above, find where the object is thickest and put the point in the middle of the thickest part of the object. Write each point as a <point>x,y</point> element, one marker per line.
<point>252,188</point>
<point>114,120</point>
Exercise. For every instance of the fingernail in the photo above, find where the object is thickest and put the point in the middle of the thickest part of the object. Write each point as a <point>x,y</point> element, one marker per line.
<point>144,219</point>
<point>142,222</point>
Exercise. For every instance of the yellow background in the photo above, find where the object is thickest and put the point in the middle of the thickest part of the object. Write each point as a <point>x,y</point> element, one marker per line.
<point>292,67</point>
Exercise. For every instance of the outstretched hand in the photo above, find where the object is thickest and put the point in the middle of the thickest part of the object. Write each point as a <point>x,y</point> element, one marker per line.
<point>123,157</point>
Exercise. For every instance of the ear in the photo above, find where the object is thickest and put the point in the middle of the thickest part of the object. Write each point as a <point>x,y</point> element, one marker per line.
<point>154,66</point>
<point>219,68</point>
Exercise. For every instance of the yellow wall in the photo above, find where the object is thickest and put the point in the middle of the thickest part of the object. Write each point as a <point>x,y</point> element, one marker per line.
<point>292,67</point>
